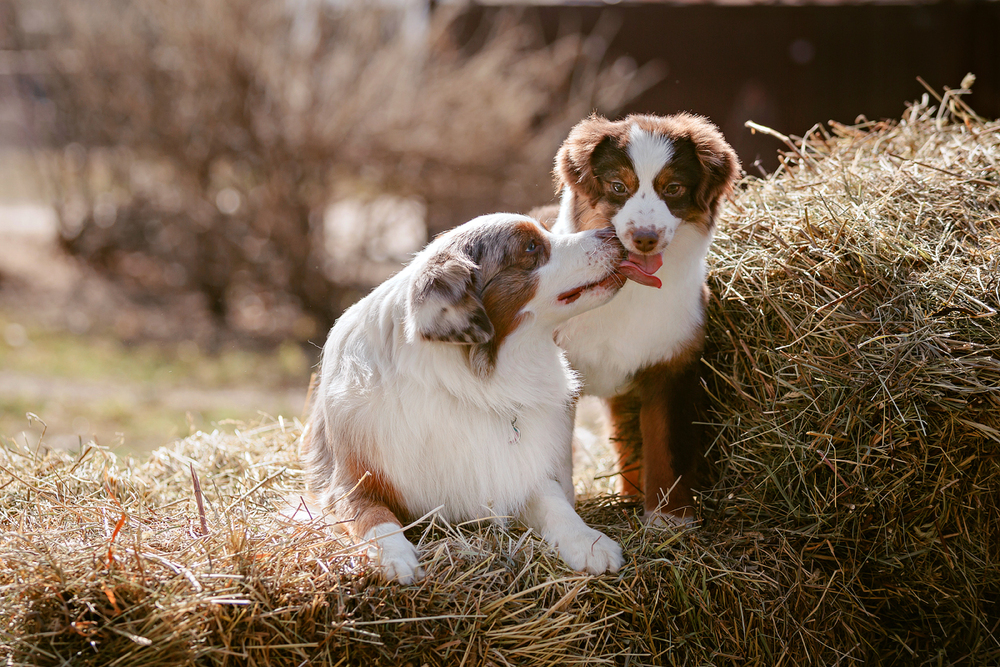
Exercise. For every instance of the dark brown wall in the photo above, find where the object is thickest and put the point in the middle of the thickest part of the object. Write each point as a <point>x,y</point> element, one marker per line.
<point>738,63</point>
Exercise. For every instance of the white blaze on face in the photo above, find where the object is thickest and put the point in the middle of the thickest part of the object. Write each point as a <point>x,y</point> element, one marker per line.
<point>645,209</point>
<point>649,153</point>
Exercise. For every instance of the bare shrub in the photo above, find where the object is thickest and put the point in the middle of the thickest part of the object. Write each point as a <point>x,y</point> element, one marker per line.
<point>206,137</point>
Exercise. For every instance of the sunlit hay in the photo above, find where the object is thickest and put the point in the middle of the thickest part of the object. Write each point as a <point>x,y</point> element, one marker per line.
<point>852,371</point>
<point>258,588</point>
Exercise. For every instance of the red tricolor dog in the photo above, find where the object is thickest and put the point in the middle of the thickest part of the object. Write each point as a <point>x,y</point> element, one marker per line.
<point>657,181</point>
<point>444,389</point>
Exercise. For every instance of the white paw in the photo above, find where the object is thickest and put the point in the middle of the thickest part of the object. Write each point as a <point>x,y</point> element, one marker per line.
<point>589,550</point>
<point>394,556</point>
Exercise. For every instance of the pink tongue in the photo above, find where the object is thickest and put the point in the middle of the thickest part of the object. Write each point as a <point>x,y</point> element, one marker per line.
<point>641,268</point>
<point>649,264</point>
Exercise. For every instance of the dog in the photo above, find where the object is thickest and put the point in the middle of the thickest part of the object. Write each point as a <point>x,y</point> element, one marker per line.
<point>443,390</point>
<point>657,181</point>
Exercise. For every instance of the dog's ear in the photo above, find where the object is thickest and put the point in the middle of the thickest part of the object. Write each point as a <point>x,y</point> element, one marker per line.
<point>573,165</point>
<point>444,302</point>
<point>719,163</point>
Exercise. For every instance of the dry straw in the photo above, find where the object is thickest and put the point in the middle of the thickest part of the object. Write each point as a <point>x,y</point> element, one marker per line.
<point>853,373</point>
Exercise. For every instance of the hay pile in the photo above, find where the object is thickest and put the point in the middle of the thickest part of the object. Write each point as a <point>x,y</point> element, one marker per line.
<point>853,367</point>
<point>855,370</point>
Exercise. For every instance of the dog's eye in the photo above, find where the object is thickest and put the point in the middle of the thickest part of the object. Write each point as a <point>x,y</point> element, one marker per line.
<point>674,190</point>
<point>618,187</point>
<point>531,247</point>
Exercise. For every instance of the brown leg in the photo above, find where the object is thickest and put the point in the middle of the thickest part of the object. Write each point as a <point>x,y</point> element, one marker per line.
<point>627,439</point>
<point>371,511</point>
<point>371,499</point>
<point>372,502</point>
<point>657,441</point>
<point>363,500</point>
<point>669,396</point>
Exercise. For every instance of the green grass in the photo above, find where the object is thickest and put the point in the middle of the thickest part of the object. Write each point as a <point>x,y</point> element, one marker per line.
<point>94,386</point>
<point>127,395</point>
<point>58,353</point>
<point>21,176</point>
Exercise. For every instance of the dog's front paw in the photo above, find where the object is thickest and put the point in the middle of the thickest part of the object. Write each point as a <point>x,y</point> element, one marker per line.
<point>657,519</point>
<point>592,551</point>
<point>394,556</point>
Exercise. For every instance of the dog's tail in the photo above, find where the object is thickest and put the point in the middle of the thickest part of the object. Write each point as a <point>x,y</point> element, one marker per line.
<point>315,449</point>
<point>315,452</point>
<point>308,507</point>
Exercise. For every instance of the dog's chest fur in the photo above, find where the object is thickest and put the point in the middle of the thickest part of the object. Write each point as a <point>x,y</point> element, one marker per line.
<point>641,326</point>
<point>479,467</point>
<point>452,442</point>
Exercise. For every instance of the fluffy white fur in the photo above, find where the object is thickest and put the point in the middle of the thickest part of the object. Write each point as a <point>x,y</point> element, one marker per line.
<point>443,435</point>
<point>641,326</point>
<point>644,209</point>
<point>658,182</point>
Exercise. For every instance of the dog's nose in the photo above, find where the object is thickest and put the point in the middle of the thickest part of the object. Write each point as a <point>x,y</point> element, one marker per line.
<point>645,240</point>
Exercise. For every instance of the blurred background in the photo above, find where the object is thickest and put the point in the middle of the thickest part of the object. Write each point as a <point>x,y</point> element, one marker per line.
<point>192,191</point>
